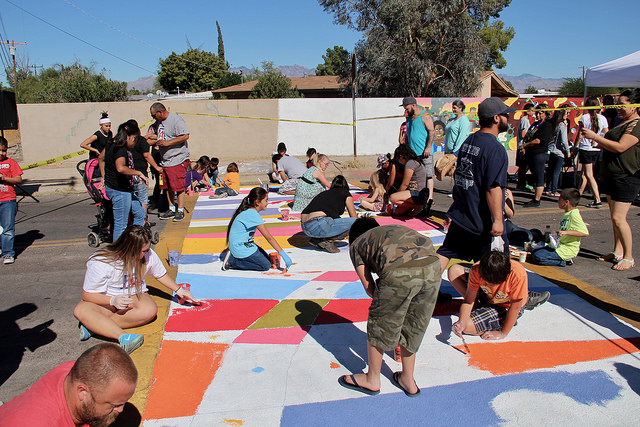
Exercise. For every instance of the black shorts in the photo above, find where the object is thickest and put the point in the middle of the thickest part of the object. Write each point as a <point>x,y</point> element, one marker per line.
<point>466,246</point>
<point>624,190</point>
<point>588,157</point>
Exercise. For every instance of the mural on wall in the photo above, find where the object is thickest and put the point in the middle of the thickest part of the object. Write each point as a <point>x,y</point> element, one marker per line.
<point>440,111</point>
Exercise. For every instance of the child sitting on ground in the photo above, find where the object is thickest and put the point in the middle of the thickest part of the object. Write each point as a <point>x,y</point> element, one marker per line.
<point>243,253</point>
<point>572,229</point>
<point>503,285</point>
<point>230,183</point>
<point>375,201</point>
<point>196,175</point>
<point>311,154</point>
<point>212,171</point>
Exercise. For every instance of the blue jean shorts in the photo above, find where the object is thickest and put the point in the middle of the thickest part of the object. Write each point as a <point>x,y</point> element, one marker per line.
<point>142,192</point>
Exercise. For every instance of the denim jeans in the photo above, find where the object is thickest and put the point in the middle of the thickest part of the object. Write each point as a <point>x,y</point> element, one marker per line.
<point>142,192</point>
<point>327,227</point>
<point>258,261</point>
<point>553,172</point>
<point>124,202</point>
<point>229,191</point>
<point>8,211</point>
<point>547,256</point>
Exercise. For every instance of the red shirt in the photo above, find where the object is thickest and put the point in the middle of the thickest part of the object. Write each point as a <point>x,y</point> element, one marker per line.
<point>43,405</point>
<point>10,169</point>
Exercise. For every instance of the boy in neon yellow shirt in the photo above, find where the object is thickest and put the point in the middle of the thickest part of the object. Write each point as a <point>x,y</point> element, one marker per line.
<point>572,230</point>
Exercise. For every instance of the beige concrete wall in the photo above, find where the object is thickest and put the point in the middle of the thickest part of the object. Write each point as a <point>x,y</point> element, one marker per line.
<point>52,130</point>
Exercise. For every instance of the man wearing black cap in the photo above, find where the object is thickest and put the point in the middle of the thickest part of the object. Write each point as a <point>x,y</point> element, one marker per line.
<point>420,136</point>
<point>478,195</point>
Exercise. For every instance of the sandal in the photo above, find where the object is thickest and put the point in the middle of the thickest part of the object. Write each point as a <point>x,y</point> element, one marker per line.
<point>632,263</point>
<point>611,257</point>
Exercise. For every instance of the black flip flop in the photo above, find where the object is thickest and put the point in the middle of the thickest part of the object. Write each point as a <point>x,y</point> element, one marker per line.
<point>396,382</point>
<point>343,382</point>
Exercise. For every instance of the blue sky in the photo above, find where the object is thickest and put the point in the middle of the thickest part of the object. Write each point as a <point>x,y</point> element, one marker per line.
<point>553,39</point>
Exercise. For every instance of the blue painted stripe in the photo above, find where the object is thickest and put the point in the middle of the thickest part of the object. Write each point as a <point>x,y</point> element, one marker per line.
<point>226,287</point>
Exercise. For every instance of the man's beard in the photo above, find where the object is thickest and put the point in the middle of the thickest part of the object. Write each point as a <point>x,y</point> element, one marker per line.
<point>87,415</point>
<point>503,126</point>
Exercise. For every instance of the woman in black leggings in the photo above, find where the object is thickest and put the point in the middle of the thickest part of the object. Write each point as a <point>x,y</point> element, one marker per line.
<point>536,145</point>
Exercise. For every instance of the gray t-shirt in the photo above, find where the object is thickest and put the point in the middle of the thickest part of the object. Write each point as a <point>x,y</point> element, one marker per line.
<point>293,167</point>
<point>169,129</point>
<point>419,174</point>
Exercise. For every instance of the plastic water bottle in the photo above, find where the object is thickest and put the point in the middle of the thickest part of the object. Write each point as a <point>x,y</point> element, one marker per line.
<point>547,234</point>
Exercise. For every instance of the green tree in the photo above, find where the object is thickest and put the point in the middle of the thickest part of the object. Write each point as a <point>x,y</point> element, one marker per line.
<point>531,89</point>
<point>575,87</point>
<point>194,70</point>
<point>497,40</point>
<point>220,44</point>
<point>418,47</point>
<point>229,79</point>
<point>273,84</point>
<point>70,83</point>
<point>508,83</point>
<point>337,62</point>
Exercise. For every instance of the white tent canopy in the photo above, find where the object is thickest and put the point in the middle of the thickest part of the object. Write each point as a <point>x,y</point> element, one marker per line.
<point>621,72</point>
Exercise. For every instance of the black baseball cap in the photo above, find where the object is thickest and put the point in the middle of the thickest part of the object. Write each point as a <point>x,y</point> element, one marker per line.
<point>492,107</point>
<point>408,100</point>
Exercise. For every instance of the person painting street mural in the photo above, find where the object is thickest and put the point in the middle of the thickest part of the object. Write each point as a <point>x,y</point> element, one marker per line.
<point>495,295</point>
<point>114,294</point>
<point>403,298</point>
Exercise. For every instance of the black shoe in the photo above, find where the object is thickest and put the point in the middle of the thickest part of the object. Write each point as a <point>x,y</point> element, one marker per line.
<point>532,204</point>
<point>167,214</point>
<point>179,216</point>
<point>427,207</point>
<point>594,204</point>
<point>536,298</point>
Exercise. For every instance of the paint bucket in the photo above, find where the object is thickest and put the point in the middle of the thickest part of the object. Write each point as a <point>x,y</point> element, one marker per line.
<point>522,256</point>
<point>265,185</point>
<point>274,257</point>
<point>285,213</point>
<point>174,258</point>
<point>186,287</point>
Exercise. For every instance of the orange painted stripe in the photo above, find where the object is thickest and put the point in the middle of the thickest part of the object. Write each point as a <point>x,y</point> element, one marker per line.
<point>515,357</point>
<point>182,373</point>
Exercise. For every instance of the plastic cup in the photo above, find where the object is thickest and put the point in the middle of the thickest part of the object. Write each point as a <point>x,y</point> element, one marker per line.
<point>186,287</point>
<point>174,258</point>
<point>522,256</point>
<point>285,214</point>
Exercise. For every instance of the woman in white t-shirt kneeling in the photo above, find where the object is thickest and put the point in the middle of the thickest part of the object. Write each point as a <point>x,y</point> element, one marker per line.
<point>114,294</point>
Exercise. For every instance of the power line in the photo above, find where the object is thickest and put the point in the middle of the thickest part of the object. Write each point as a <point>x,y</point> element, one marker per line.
<point>79,39</point>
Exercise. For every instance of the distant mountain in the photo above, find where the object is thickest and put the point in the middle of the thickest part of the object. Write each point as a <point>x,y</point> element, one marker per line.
<point>523,81</point>
<point>142,84</point>
<point>288,70</point>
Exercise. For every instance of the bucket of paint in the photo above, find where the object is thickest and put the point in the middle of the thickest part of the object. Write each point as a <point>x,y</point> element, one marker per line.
<point>274,257</point>
<point>186,287</point>
<point>265,185</point>
<point>285,213</point>
<point>174,258</point>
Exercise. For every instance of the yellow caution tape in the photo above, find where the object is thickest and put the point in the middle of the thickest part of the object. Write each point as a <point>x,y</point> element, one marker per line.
<point>268,118</point>
<point>54,160</point>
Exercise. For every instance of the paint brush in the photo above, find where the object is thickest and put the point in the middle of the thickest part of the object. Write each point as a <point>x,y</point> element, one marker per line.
<point>466,347</point>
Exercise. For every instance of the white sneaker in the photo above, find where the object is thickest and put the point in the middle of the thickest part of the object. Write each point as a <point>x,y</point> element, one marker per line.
<point>9,260</point>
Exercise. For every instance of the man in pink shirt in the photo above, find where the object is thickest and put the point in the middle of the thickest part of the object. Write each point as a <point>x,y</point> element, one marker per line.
<point>10,175</point>
<point>91,391</point>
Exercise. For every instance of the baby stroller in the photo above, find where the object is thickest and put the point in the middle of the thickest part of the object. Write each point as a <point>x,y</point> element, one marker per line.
<point>102,230</point>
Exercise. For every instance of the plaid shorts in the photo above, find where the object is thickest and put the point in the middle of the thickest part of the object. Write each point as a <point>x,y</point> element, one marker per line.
<point>487,317</point>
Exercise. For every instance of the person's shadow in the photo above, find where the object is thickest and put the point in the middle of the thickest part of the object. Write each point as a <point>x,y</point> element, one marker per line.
<point>24,240</point>
<point>343,339</point>
<point>14,341</point>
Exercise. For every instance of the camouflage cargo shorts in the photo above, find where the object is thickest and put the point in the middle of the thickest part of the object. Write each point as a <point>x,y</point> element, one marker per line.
<point>403,303</point>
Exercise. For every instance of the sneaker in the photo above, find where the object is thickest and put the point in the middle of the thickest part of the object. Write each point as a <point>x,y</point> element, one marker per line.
<point>179,216</point>
<point>219,196</point>
<point>315,242</point>
<point>85,334</point>
<point>9,260</point>
<point>225,262</point>
<point>129,342</point>
<point>569,261</point>
<point>536,298</point>
<point>532,204</point>
<point>522,188</point>
<point>167,214</point>
<point>594,204</point>
<point>328,246</point>
<point>427,207</point>
<point>528,187</point>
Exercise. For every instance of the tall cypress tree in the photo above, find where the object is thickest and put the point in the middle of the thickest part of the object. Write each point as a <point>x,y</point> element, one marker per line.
<point>220,44</point>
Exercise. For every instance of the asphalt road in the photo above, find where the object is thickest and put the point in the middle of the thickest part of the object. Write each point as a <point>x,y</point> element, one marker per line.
<point>37,327</point>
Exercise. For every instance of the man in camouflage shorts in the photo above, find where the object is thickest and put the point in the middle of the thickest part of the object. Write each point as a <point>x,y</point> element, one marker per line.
<point>404,296</point>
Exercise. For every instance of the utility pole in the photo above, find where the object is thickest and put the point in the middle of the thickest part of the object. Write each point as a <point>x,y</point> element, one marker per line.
<point>35,68</point>
<point>12,51</point>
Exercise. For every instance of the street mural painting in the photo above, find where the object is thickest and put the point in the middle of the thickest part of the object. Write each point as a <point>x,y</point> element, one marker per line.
<point>266,349</point>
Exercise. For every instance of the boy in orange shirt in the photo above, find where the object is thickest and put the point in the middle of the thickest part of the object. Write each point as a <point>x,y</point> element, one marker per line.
<point>493,312</point>
<point>230,183</point>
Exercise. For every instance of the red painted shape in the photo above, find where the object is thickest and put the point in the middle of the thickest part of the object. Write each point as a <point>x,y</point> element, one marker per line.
<point>182,373</point>
<point>502,358</point>
<point>219,315</point>
<point>344,311</point>
<point>338,276</point>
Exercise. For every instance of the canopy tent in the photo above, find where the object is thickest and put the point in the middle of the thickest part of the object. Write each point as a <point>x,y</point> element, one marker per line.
<point>621,72</point>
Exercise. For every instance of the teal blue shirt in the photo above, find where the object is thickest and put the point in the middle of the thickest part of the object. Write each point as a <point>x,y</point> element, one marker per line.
<point>455,133</point>
<point>417,133</point>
